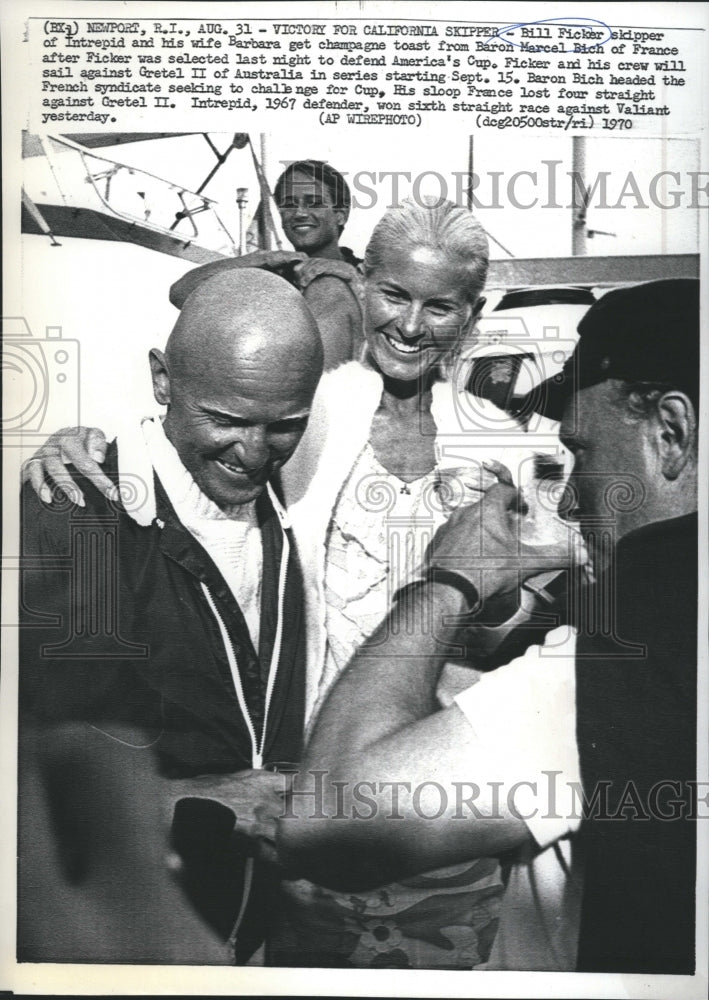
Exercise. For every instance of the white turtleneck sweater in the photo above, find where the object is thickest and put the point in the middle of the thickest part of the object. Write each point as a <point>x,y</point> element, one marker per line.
<point>232,539</point>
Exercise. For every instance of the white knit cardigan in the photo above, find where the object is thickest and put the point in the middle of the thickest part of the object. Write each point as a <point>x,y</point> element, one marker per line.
<point>468,431</point>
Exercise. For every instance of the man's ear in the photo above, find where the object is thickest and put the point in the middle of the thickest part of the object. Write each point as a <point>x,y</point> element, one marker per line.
<point>341,217</point>
<point>677,432</point>
<point>160,377</point>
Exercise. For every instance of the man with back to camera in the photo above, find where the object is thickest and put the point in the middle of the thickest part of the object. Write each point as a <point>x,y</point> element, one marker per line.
<point>580,756</point>
<point>314,203</point>
<point>178,610</point>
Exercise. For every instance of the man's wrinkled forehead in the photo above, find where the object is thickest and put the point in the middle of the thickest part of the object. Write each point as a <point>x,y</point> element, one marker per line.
<point>266,374</point>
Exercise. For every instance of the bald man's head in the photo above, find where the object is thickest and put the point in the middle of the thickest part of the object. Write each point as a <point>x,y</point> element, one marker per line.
<point>238,376</point>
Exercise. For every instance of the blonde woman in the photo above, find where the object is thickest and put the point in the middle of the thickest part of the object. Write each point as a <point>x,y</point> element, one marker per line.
<point>392,444</point>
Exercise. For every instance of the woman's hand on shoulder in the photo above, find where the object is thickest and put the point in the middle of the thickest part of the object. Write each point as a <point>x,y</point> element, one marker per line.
<point>82,447</point>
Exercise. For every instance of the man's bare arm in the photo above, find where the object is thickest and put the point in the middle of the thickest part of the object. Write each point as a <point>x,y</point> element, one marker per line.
<point>379,734</point>
<point>386,778</point>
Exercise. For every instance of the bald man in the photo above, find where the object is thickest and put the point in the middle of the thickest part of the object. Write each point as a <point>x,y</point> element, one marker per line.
<point>175,609</point>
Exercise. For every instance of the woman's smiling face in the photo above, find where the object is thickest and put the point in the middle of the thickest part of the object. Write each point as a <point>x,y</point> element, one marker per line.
<point>416,309</point>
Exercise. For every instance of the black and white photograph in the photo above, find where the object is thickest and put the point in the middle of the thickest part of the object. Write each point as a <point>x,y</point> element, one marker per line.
<point>355,494</point>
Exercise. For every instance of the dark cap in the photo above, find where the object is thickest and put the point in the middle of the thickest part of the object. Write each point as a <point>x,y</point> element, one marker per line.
<point>645,333</point>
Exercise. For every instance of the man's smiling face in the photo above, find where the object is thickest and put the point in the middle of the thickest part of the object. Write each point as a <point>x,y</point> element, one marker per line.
<point>310,219</point>
<point>235,432</point>
<point>238,377</point>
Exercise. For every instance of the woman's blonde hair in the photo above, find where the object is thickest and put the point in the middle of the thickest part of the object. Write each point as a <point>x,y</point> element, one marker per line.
<point>437,225</point>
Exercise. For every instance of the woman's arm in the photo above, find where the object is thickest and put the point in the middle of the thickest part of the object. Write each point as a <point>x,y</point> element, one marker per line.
<point>82,447</point>
<point>337,313</point>
<point>333,291</point>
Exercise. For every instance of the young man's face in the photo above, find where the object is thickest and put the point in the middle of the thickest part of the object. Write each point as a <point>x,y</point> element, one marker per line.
<point>309,217</point>
<point>615,466</point>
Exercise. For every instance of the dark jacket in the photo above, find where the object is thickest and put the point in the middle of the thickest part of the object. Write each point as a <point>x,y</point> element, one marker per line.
<point>636,725</point>
<point>117,629</point>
